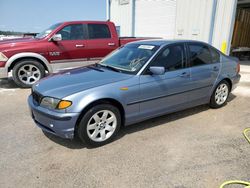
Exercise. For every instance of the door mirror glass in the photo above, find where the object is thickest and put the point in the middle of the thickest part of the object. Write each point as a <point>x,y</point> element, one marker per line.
<point>57,37</point>
<point>157,70</point>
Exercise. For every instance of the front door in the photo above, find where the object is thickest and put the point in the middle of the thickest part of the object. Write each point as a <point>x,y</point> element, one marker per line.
<point>72,47</point>
<point>163,93</point>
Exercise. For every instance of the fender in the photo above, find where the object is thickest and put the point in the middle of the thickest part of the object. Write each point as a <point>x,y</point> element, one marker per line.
<point>28,54</point>
<point>83,102</point>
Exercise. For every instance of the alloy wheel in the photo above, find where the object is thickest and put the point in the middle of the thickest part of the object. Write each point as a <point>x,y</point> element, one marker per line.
<point>221,94</point>
<point>29,74</point>
<point>101,125</point>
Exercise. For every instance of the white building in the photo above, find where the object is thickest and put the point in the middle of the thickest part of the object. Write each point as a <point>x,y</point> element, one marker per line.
<point>211,21</point>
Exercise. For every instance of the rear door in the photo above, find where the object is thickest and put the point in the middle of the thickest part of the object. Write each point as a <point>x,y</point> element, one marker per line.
<point>73,45</point>
<point>205,65</point>
<point>100,40</point>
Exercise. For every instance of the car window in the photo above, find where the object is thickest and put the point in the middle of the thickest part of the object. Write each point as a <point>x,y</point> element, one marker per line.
<point>130,58</point>
<point>172,58</point>
<point>73,32</point>
<point>215,55</point>
<point>199,55</point>
<point>98,31</point>
<point>46,32</point>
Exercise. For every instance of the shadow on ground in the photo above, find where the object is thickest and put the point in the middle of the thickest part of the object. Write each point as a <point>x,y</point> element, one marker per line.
<point>7,83</point>
<point>77,144</point>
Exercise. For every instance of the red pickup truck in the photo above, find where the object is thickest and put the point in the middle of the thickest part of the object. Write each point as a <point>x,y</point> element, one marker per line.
<point>61,46</point>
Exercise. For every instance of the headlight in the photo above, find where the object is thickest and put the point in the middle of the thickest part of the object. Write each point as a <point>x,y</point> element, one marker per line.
<point>53,103</point>
<point>3,57</point>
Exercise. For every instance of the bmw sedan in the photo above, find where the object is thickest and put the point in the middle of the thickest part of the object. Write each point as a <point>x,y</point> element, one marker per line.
<point>140,80</point>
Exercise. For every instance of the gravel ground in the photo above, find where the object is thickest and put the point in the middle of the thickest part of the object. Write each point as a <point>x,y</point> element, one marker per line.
<point>198,147</point>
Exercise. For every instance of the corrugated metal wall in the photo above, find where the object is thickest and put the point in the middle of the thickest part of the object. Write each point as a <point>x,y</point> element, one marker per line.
<point>121,15</point>
<point>206,20</point>
<point>193,19</point>
<point>155,18</point>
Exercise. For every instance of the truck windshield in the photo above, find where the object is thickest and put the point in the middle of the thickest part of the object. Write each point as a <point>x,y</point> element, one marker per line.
<point>130,58</point>
<point>47,31</point>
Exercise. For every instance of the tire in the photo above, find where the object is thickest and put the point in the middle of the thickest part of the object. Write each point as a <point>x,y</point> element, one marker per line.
<point>96,130</point>
<point>220,95</point>
<point>26,72</point>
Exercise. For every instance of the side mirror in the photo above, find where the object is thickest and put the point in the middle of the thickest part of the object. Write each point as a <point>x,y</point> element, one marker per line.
<point>56,37</point>
<point>157,70</point>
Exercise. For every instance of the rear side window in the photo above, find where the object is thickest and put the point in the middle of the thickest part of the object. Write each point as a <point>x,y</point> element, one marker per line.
<point>215,55</point>
<point>199,54</point>
<point>73,32</point>
<point>98,31</point>
<point>172,58</point>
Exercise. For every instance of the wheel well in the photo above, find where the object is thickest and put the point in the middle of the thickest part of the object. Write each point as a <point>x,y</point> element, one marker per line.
<point>104,101</point>
<point>229,82</point>
<point>22,58</point>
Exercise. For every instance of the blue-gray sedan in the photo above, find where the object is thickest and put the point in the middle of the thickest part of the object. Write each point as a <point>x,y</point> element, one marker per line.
<point>139,81</point>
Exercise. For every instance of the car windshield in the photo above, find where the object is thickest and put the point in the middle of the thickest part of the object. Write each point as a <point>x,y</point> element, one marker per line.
<point>47,31</point>
<point>130,58</point>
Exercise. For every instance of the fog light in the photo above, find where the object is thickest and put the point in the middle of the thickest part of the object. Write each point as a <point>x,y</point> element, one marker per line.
<point>51,125</point>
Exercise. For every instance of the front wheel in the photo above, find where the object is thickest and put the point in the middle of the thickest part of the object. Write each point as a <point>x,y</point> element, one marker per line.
<point>27,72</point>
<point>99,125</point>
<point>220,95</point>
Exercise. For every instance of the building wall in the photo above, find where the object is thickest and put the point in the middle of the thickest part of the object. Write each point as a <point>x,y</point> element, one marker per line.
<point>193,19</point>
<point>121,15</point>
<point>155,18</point>
<point>224,23</point>
<point>210,21</point>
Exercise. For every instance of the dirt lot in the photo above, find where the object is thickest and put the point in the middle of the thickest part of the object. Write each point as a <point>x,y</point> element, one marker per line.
<point>199,147</point>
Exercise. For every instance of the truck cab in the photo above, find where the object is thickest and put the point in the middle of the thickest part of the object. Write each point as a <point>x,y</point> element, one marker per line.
<point>62,46</point>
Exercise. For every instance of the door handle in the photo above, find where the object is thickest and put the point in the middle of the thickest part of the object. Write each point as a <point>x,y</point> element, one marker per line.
<point>79,45</point>
<point>184,75</point>
<point>111,44</point>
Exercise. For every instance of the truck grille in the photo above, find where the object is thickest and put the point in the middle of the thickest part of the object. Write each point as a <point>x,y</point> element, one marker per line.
<point>37,97</point>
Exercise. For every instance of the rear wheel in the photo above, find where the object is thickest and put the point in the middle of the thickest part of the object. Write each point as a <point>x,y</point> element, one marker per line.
<point>220,95</point>
<point>99,125</point>
<point>27,72</point>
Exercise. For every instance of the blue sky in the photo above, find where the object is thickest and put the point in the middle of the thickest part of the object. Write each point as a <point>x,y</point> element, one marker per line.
<point>37,15</point>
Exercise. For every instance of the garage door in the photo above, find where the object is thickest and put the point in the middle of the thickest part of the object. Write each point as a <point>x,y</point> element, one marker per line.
<point>155,18</point>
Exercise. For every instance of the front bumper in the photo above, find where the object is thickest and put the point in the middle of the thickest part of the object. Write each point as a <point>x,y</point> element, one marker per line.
<point>60,124</point>
<point>3,72</point>
<point>235,81</point>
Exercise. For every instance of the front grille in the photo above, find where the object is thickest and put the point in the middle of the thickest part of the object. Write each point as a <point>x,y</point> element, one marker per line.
<point>37,97</point>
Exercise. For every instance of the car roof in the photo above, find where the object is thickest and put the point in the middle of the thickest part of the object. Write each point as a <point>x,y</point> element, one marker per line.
<point>163,42</point>
<point>85,21</point>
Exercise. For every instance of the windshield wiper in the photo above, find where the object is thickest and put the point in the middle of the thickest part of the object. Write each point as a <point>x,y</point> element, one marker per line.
<point>109,67</point>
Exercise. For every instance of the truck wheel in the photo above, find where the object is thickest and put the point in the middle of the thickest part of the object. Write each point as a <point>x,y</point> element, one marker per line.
<point>99,125</point>
<point>220,95</point>
<point>27,72</point>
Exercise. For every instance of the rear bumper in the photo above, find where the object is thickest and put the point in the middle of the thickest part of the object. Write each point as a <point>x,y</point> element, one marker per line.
<point>235,81</point>
<point>3,72</point>
<point>60,124</point>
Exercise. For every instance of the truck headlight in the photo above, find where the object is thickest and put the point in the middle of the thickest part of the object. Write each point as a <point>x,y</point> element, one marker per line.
<point>3,57</point>
<point>53,103</point>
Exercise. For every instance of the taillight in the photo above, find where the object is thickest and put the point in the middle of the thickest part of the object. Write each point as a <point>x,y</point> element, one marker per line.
<point>238,67</point>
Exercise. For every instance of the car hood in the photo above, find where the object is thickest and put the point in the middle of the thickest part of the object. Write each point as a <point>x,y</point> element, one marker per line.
<point>5,45</point>
<point>64,84</point>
